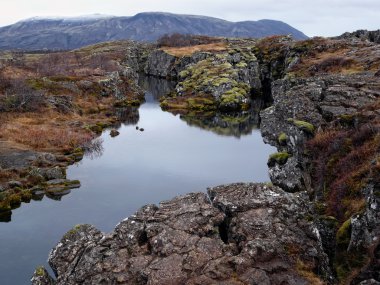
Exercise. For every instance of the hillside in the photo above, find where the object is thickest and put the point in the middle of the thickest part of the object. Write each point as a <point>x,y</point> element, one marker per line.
<point>70,33</point>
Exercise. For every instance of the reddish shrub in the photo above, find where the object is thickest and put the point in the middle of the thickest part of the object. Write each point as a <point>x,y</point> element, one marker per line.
<point>179,40</point>
<point>342,162</point>
<point>332,63</point>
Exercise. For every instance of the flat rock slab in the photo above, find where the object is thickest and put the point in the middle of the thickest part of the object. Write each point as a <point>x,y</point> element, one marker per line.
<point>14,157</point>
<point>237,234</point>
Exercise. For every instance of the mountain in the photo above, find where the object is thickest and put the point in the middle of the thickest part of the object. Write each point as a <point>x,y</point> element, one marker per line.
<point>69,33</point>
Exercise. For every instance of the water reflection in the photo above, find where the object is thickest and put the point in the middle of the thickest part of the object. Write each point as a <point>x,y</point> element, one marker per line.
<point>156,87</point>
<point>233,124</point>
<point>127,116</point>
<point>237,125</point>
<point>94,149</point>
<point>6,217</point>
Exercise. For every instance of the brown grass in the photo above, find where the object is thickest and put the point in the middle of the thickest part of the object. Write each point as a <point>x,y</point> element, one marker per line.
<point>45,137</point>
<point>329,56</point>
<point>342,163</point>
<point>306,271</point>
<point>187,51</point>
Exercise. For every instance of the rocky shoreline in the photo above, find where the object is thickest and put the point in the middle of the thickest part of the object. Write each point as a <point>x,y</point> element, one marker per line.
<point>199,239</point>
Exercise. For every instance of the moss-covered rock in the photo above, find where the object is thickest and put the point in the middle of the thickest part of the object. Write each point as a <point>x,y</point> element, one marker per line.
<point>343,235</point>
<point>302,125</point>
<point>224,76</point>
<point>282,139</point>
<point>279,158</point>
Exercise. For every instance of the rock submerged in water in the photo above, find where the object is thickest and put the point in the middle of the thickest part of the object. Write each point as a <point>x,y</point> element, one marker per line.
<point>237,234</point>
<point>114,133</point>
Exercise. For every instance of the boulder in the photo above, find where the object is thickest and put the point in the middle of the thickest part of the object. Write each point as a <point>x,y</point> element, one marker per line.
<point>236,234</point>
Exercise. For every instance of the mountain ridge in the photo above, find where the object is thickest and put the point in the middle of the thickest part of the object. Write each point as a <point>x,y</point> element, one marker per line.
<point>70,33</point>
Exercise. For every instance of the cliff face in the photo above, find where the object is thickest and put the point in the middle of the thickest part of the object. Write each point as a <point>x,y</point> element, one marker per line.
<point>318,222</point>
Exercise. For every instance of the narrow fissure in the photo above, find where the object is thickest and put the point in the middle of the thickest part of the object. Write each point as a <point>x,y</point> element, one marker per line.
<point>224,228</point>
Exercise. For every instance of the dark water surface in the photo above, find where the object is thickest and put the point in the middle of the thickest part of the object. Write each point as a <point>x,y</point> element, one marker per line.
<point>173,155</point>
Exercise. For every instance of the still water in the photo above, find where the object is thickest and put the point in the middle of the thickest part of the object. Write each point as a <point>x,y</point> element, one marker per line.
<point>174,155</point>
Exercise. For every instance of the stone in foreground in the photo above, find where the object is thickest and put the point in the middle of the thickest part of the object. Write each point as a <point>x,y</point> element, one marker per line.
<point>237,234</point>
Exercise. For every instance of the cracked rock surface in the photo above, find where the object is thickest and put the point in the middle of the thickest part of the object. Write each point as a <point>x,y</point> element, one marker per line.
<point>237,234</point>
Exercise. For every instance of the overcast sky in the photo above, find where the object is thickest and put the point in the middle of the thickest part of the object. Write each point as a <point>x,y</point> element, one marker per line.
<point>317,17</point>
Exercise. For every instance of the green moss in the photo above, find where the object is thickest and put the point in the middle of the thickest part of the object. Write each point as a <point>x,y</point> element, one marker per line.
<point>72,182</point>
<point>220,80</point>
<point>343,236</point>
<point>279,158</point>
<point>73,231</point>
<point>103,125</point>
<point>241,64</point>
<point>96,129</point>
<point>184,73</point>
<point>40,271</point>
<point>26,196</point>
<point>302,125</point>
<point>346,261</point>
<point>53,87</point>
<point>168,104</point>
<point>14,199</point>
<point>36,84</point>
<point>5,206</point>
<point>320,208</point>
<point>347,119</point>
<point>199,103</point>
<point>235,120</point>
<point>309,218</point>
<point>127,103</point>
<point>233,99</point>
<point>282,139</point>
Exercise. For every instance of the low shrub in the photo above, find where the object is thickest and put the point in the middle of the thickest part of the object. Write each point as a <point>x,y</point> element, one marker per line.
<point>180,40</point>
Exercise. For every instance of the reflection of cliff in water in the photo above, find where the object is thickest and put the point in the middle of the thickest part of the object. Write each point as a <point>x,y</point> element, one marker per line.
<point>228,124</point>
<point>127,116</point>
<point>236,125</point>
<point>233,124</point>
<point>155,87</point>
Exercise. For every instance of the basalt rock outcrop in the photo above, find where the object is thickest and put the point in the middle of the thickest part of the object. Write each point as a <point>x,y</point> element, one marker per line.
<point>223,80</point>
<point>364,35</point>
<point>289,123</point>
<point>199,239</point>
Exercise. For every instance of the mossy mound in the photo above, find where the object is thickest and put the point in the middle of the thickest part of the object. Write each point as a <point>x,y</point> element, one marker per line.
<point>280,158</point>
<point>302,125</point>
<point>219,79</point>
<point>282,139</point>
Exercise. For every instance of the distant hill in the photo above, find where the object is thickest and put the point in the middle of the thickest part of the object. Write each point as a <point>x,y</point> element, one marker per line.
<point>69,33</point>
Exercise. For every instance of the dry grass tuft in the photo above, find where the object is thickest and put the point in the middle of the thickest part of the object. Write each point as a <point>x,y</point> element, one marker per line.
<point>187,51</point>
